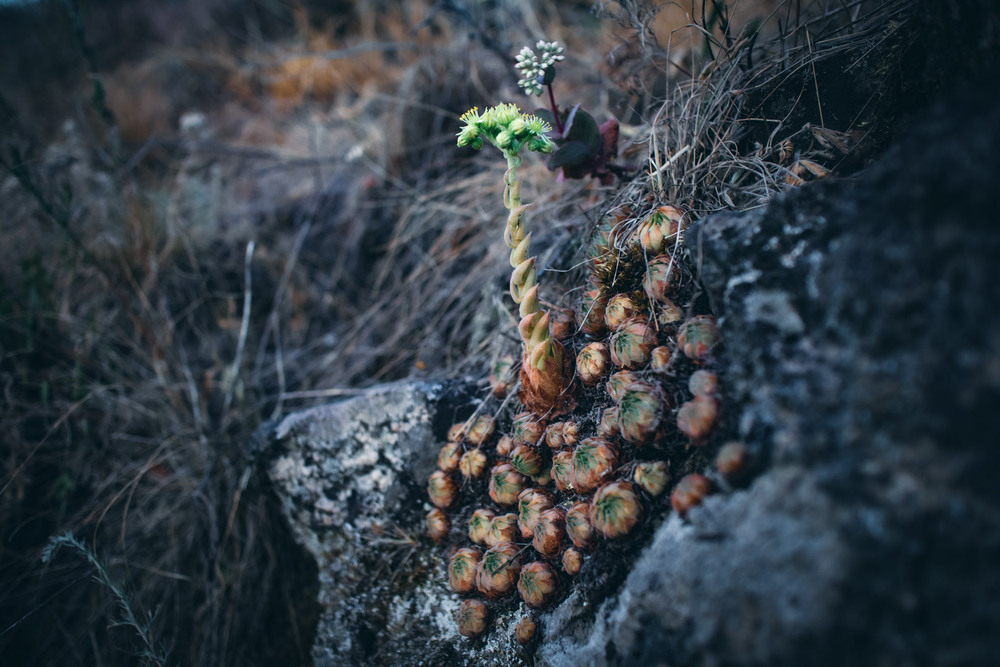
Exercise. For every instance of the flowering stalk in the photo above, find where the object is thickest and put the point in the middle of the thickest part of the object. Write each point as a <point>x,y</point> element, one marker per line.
<point>504,126</point>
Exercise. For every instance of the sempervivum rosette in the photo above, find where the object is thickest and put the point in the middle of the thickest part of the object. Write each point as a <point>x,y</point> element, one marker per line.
<point>652,477</point>
<point>547,538</point>
<point>530,504</point>
<point>593,363</point>
<point>578,527</point>
<point>593,460</point>
<point>662,278</point>
<point>479,525</point>
<point>537,584</point>
<point>472,618</point>
<point>441,489</point>
<point>632,344</point>
<point>698,336</point>
<point>462,570</point>
<point>641,412</point>
<point>505,484</point>
<point>659,230</point>
<point>615,509</point>
<point>498,569</point>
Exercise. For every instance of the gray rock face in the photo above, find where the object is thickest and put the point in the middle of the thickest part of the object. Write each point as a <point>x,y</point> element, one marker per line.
<point>862,324</point>
<point>351,478</point>
<point>862,330</point>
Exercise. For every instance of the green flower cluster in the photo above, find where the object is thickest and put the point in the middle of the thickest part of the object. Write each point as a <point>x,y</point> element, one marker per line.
<point>536,70</point>
<point>507,128</point>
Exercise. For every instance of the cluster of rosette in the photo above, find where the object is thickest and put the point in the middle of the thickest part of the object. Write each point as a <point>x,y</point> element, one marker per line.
<point>552,489</point>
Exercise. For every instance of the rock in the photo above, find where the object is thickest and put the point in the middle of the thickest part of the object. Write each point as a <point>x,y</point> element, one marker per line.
<point>862,329</point>
<point>351,479</point>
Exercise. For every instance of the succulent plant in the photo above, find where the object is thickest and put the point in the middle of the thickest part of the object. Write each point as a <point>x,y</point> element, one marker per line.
<point>640,412</point>
<point>703,383</point>
<point>472,464</point>
<point>562,323</point>
<point>652,477</point>
<point>505,445</point>
<point>659,360</point>
<point>448,457</point>
<point>441,489</point>
<point>620,309</point>
<point>697,416</point>
<point>525,630</point>
<point>609,427</point>
<point>617,383</point>
<point>662,278</point>
<point>531,503</point>
<point>615,509</point>
<point>571,433</point>
<point>456,433</point>
<point>537,584</point>
<point>562,470</point>
<point>593,363</point>
<point>593,460</point>
<point>732,460</point>
<point>479,525</point>
<point>578,527</point>
<point>572,561</point>
<point>698,336</point>
<point>437,524</point>
<point>591,314</point>
<point>503,528</point>
<point>632,344</point>
<point>544,376</point>
<point>526,459</point>
<point>472,618</point>
<point>502,376</point>
<point>480,430</point>
<point>659,230</point>
<point>528,429</point>
<point>668,315</point>
<point>498,570</point>
<point>554,435</point>
<point>547,538</point>
<point>690,492</point>
<point>543,478</point>
<point>462,569</point>
<point>505,484</point>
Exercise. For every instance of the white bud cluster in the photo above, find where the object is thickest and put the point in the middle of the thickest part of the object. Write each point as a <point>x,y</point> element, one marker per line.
<point>533,67</point>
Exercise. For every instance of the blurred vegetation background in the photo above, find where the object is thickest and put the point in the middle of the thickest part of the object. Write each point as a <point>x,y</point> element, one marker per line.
<point>216,212</point>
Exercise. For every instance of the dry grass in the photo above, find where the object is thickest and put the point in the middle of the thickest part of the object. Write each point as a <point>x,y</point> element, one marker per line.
<point>317,234</point>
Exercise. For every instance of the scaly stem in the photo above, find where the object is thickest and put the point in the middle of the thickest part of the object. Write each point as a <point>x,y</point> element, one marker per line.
<point>523,278</point>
